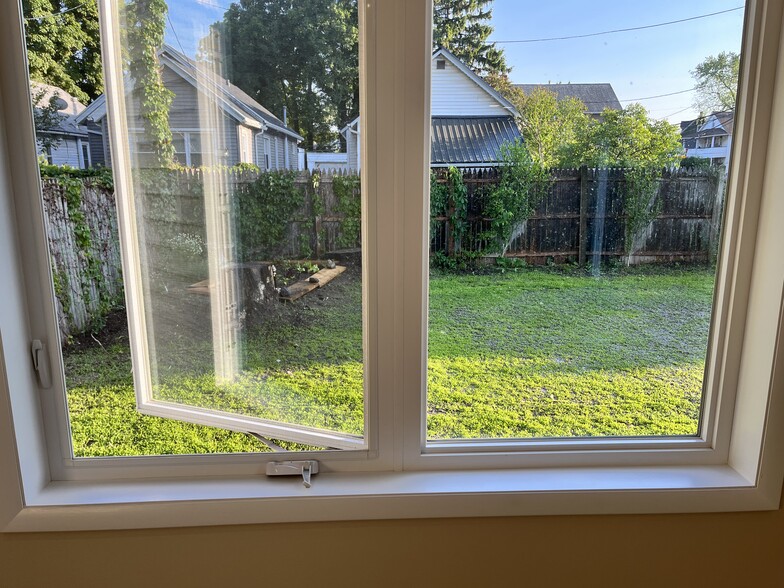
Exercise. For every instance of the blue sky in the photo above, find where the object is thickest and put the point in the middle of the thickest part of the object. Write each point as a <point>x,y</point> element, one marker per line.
<point>638,64</point>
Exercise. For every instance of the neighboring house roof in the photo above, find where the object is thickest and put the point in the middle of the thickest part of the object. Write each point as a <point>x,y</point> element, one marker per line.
<point>716,123</point>
<point>233,100</point>
<point>70,108</point>
<point>470,141</point>
<point>449,56</point>
<point>596,97</point>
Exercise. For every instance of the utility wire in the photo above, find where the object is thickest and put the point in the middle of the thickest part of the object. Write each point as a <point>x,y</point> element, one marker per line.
<point>55,14</point>
<point>176,36</point>
<point>651,26</point>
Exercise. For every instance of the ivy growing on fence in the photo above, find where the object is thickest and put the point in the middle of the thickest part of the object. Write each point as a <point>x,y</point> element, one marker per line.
<point>263,210</point>
<point>349,203</point>
<point>521,186</point>
<point>642,204</point>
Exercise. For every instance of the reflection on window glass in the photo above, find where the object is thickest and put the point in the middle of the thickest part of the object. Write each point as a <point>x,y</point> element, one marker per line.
<point>579,162</point>
<point>249,254</point>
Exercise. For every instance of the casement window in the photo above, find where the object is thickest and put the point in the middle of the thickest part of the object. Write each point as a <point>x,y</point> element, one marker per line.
<point>373,444</point>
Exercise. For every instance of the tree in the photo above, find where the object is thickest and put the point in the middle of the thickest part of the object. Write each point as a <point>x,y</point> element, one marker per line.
<point>64,49</point>
<point>629,138</point>
<point>461,26</point>
<point>297,54</point>
<point>717,82</point>
<point>551,128</point>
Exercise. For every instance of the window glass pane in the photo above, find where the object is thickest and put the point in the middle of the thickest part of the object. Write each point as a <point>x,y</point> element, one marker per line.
<point>579,167</point>
<point>249,281</point>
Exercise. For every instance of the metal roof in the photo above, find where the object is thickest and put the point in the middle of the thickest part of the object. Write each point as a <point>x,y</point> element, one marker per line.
<point>596,97</point>
<point>463,141</point>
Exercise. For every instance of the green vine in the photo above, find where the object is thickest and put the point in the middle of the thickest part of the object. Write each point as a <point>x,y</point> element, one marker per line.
<point>347,190</point>
<point>449,198</point>
<point>521,187</point>
<point>146,25</point>
<point>642,203</point>
<point>264,209</point>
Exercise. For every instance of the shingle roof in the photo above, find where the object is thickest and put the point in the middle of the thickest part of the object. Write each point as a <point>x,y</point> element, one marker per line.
<point>71,108</point>
<point>691,128</point>
<point>470,141</point>
<point>596,97</point>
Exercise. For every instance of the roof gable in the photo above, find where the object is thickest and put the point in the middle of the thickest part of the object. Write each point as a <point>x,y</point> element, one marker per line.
<point>232,99</point>
<point>458,91</point>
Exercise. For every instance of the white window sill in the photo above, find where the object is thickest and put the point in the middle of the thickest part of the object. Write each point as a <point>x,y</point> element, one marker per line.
<point>257,499</point>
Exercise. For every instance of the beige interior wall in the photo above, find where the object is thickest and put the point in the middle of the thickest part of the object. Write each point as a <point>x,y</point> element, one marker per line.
<point>737,549</point>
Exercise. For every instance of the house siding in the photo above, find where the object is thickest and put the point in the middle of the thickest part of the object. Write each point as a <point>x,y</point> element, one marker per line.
<point>454,94</point>
<point>66,153</point>
<point>97,151</point>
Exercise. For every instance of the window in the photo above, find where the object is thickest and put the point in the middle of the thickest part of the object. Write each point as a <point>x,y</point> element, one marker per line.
<point>398,473</point>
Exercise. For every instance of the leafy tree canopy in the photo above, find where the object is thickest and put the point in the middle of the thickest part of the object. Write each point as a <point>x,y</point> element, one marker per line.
<point>552,129</point>
<point>717,82</point>
<point>628,138</point>
<point>298,54</point>
<point>64,49</point>
<point>462,27</point>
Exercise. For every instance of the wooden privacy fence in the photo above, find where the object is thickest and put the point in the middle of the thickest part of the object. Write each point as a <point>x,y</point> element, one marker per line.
<point>84,252</point>
<point>582,218</point>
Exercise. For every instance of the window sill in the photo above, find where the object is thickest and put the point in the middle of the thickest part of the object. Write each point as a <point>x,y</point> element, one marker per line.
<point>201,502</point>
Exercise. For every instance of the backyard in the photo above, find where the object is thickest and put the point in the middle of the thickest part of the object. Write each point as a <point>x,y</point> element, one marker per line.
<point>522,352</point>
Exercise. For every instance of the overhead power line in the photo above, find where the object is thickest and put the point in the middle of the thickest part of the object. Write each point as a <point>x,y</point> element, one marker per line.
<point>176,36</point>
<point>626,30</point>
<point>55,14</point>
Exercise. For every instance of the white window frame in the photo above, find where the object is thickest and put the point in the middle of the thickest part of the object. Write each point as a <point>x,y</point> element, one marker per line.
<point>736,464</point>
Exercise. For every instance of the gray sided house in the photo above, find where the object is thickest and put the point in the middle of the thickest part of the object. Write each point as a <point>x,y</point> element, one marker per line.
<point>595,97</point>
<point>67,142</point>
<point>470,121</point>
<point>213,122</point>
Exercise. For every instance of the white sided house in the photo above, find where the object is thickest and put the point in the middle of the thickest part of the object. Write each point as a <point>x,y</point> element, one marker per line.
<point>470,121</point>
<point>213,122</point>
<point>709,137</point>
<point>68,142</point>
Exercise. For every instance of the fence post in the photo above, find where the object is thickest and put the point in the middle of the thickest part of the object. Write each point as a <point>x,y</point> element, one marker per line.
<point>583,246</point>
<point>317,208</point>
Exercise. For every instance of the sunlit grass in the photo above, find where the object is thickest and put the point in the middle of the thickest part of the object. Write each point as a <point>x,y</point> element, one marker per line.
<point>535,353</point>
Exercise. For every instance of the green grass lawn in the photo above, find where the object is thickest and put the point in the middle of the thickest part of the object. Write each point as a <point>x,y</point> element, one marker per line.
<point>537,353</point>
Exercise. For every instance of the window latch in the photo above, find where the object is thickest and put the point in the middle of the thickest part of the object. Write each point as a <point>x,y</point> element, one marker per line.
<point>305,468</point>
<point>41,363</point>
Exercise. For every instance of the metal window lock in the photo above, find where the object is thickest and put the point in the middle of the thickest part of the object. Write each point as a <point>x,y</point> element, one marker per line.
<point>305,468</point>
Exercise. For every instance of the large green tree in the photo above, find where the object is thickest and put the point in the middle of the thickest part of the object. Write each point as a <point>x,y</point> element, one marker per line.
<point>298,54</point>
<point>717,82</point>
<point>63,45</point>
<point>628,138</point>
<point>463,27</point>
<point>552,128</point>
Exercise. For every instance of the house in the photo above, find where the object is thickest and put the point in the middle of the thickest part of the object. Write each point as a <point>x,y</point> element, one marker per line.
<point>313,161</point>
<point>67,142</point>
<point>709,137</point>
<point>213,122</point>
<point>596,97</point>
<point>470,121</point>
